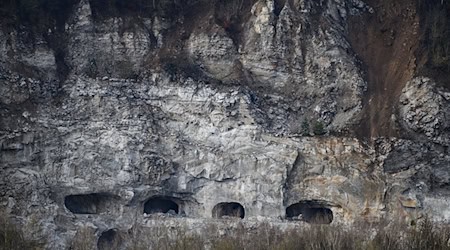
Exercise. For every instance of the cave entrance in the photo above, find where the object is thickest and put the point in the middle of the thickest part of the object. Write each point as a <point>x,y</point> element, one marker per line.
<point>310,211</point>
<point>228,209</point>
<point>94,203</point>
<point>109,239</point>
<point>161,205</point>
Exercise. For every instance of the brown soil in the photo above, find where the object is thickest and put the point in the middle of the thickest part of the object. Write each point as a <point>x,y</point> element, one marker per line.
<point>385,42</point>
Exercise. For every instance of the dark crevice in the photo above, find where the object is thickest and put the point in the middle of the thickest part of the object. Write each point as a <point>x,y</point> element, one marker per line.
<point>232,16</point>
<point>58,43</point>
<point>279,5</point>
<point>434,52</point>
<point>291,176</point>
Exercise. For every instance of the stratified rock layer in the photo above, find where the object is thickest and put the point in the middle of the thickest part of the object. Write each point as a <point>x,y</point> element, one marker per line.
<point>199,112</point>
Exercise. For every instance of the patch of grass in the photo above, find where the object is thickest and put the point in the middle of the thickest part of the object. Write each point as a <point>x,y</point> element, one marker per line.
<point>163,237</point>
<point>84,239</point>
<point>391,236</point>
<point>14,238</point>
<point>396,235</point>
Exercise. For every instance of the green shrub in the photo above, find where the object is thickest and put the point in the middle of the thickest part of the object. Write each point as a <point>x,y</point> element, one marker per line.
<point>305,128</point>
<point>319,128</point>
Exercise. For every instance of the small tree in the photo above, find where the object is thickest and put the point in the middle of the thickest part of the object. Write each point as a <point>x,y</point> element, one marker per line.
<point>319,128</point>
<point>305,128</point>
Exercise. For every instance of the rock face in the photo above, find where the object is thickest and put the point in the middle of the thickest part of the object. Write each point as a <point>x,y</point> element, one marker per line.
<point>204,110</point>
<point>425,109</point>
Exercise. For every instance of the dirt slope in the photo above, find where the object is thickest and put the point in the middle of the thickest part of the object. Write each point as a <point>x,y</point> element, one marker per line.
<point>385,42</point>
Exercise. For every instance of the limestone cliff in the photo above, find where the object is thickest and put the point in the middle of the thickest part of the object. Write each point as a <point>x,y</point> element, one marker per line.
<point>278,111</point>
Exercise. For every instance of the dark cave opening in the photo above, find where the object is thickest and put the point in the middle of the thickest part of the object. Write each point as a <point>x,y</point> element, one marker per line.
<point>109,239</point>
<point>310,211</point>
<point>93,203</point>
<point>228,209</point>
<point>161,205</point>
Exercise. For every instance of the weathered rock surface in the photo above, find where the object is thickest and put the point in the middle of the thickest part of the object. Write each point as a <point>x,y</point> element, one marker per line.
<point>425,109</point>
<point>195,109</point>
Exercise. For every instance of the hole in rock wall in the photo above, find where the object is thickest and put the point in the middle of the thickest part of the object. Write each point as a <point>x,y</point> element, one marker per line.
<point>310,211</point>
<point>90,203</point>
<point>109,239</point>
<point>228,209</point>
<point>161,205</point>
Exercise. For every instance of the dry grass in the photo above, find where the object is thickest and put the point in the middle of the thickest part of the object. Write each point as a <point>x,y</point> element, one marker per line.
<point>393,235</point>
<point>163,238</point>
<point>84,239</point>
<point>424,235</point>
<point>14,238</point>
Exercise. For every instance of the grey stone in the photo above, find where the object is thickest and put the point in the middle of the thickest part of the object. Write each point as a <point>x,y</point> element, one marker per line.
<point>207,118</point>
